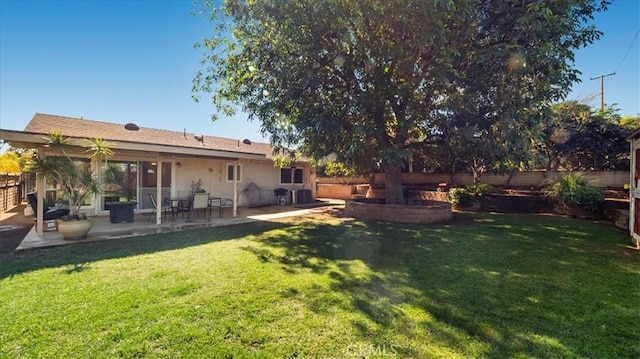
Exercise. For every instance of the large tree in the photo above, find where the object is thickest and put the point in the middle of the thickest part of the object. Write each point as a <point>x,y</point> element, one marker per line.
<point>372,80</point>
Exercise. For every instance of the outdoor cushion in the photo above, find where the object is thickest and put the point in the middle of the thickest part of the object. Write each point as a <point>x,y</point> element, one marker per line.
<point>56,212</point>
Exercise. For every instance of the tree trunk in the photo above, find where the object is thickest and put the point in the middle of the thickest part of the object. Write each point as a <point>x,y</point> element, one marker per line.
<point>477,168</point>
<point>476,175</point>
<point>393,184</point>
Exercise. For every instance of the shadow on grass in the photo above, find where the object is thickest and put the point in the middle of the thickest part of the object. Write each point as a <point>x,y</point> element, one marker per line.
<point>79,255</point>
<point>511,285</point>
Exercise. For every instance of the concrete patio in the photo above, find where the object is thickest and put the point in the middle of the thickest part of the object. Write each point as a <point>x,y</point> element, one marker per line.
<point>102,229</point>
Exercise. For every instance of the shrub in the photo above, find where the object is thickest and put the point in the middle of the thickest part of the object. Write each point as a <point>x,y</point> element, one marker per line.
<point>460,197</point>
<point>480,189</point>
<point>574,191</point>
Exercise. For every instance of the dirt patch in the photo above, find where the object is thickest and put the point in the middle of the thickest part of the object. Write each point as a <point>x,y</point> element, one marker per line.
<point>14,226</point>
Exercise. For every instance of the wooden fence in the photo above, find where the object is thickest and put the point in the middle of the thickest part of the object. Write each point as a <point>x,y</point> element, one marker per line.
<point>12,190</point>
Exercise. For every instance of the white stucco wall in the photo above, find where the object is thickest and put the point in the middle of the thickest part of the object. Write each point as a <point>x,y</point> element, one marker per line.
<point>214,176</point>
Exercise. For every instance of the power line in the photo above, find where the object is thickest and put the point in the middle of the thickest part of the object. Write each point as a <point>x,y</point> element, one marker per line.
<point>629,49</point>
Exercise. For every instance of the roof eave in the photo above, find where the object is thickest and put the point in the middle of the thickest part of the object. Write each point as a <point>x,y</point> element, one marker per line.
<point>23,139</point>
<point>635,134</point>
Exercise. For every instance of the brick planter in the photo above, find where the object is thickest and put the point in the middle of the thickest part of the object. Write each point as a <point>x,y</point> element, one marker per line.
<point>424,212</point>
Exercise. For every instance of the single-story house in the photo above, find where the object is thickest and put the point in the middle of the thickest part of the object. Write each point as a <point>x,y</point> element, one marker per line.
<point>168,164</point>
<point>634,187</point>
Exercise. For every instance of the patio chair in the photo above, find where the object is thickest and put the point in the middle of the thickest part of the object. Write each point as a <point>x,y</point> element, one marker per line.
<point>50,213</point>
<point>226,203</point>
<point>222,204</point>
<point>165,208</point>
<point>200,201</point>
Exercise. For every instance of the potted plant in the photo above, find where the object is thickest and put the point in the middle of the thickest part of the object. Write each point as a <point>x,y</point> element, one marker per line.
<point>196,187</point>
<point>74,179</point>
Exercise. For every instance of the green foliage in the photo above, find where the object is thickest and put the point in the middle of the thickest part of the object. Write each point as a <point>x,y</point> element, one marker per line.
<point>574,191</point>
<point>463,197</point>
<point>573,137</point>
<point>375,80</point>
<point>631,123</point>
<point>74,177</point>
<point>284,157</point>
<point>504,166</point>
<point>480,189</point>
<point>281,161</point>
<point>338,169</point>
<point>460,197</point>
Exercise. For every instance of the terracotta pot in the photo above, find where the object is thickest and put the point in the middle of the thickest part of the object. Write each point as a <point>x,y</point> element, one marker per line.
<point>74,229</point>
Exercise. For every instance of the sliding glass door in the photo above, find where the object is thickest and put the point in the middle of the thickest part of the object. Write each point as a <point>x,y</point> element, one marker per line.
<point>120,182</point>
<point>134,181</point>
<point>149,183</point>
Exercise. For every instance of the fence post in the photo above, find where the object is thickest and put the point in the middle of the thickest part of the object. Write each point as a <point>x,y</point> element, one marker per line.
<point>5,188</point>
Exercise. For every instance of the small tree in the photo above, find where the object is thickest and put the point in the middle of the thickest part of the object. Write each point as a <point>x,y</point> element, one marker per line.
<point>9,162</point>
<point>76,182</point>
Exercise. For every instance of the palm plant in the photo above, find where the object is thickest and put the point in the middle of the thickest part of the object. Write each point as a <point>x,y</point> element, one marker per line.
<point>76,181</point>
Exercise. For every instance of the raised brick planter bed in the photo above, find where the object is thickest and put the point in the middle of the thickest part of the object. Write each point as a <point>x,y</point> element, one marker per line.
<point>424,212</point>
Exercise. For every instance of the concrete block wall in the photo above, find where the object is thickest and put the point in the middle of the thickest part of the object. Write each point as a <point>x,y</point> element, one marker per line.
<point>603,179</point>
<point>336,191</point>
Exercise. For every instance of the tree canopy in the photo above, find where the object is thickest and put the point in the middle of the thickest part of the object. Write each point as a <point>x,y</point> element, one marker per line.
<point>14,160</point>
<point>372,81</point>
<point>576,137</point>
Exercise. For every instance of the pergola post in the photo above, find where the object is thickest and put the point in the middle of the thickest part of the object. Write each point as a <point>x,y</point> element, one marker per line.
<point>235,188</point>
<point>158,191</point>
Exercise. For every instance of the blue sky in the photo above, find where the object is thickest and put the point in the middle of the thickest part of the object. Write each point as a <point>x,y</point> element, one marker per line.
<point>133,61</point>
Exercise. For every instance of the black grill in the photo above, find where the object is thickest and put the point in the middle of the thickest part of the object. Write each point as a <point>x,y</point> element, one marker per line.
<point>280,191</point>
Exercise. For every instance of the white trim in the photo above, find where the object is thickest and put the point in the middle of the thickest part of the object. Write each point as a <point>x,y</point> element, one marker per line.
<point>238,171</point>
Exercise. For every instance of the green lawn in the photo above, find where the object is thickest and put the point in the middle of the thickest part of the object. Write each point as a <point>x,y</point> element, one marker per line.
<point>487,286</point>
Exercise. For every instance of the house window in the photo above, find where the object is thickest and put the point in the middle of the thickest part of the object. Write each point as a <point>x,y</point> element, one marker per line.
<point>285,175</point>
<point>230,172</point>
<point>150,177</point>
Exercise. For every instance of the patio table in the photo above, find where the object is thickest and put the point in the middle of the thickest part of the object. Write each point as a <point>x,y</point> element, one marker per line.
<point>121,211</point>
<point>183,204</point>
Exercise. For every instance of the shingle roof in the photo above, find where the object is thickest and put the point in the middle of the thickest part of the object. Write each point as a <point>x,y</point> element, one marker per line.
<point>82,128</point>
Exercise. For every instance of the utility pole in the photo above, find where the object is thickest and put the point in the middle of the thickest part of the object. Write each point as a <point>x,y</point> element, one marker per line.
<point>601,77</point>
